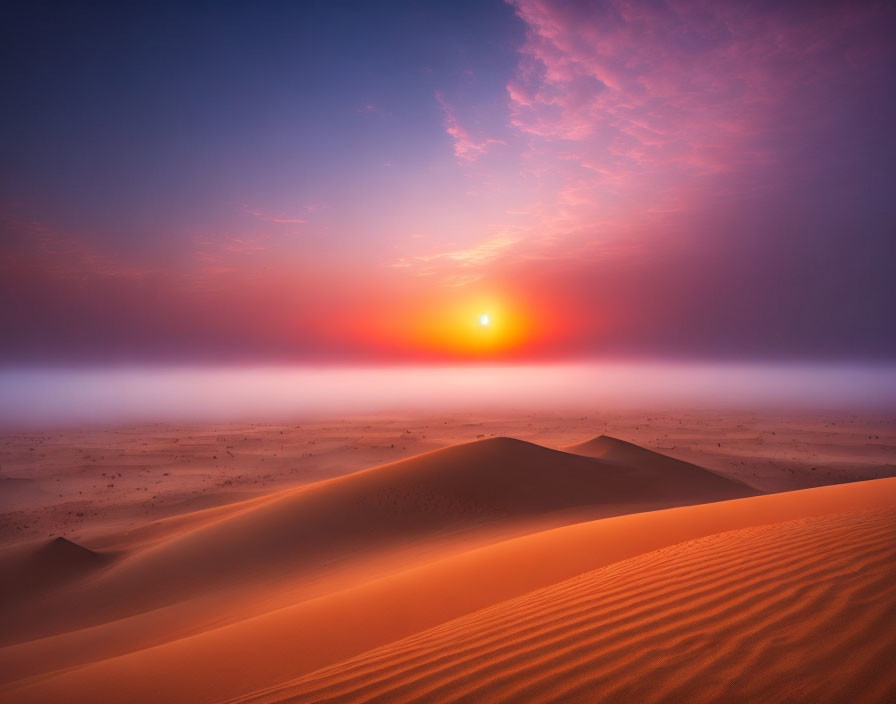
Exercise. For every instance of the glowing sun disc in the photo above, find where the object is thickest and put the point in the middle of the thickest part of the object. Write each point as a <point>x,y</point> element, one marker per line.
<point>483,319</point>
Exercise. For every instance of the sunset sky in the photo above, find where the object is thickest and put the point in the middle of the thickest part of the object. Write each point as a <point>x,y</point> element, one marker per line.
<point>334,181</point>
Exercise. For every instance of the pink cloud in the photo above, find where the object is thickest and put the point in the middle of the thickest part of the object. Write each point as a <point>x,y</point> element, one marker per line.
<point>466,147</point>
<point>369,108</point>
<point>680,85</point>
<point>278,219</point>
<point>32,245</point>
<point>476,256</point>
<point>636,113</point>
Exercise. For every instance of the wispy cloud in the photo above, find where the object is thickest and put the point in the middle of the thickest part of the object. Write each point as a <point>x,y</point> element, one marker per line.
<point>27,244</point>
<point>470,260</point>
<point>369,108</point>
<point>466,146</point>
<point>681,88</point>
<point>634,112</point>
<point>278,219</point>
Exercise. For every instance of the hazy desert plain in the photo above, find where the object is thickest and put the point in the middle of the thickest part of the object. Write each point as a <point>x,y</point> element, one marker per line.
<point>501,556</point>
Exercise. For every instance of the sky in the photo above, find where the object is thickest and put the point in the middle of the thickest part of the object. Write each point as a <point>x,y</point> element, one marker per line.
<point>202,182</point>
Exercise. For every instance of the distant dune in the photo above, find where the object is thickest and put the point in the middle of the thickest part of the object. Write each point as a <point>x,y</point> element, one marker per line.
<point>659,472</point>
<point>44,567</point>
<point>296,533</point>
<point>492,571</point>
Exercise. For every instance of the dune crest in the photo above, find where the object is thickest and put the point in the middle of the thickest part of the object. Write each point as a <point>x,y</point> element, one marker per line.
<point>756,615</point>
<point>612,449</point>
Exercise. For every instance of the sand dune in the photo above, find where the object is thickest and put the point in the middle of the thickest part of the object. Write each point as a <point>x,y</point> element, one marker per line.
<point>459,489</point>
<point>655,468</point>
<point>59,483</point>
<point>615,450</point>
<point>40,568</point>
<point>287,642</point>
<point>236,600</point>
<point>756,615</point>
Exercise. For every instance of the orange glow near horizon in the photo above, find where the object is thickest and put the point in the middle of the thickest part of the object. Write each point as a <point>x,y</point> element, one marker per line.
<point>480,325</point>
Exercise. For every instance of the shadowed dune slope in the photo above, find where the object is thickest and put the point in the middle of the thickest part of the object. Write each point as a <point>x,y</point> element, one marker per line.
<point>453,490</point>
<point>276,647</point>
<point>621,452</point>
<point>762,614</point>
<point>616,450</point>
<point>32,570</point>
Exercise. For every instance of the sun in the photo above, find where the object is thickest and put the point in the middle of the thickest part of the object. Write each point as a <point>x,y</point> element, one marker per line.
<point>480,325</point>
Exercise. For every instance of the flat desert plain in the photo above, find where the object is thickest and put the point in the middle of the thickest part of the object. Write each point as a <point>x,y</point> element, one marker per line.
<point>501,557</point>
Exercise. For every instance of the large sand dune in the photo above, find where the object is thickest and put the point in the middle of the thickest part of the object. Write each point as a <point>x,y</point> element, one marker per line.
<point>759,614</point>
<point>240,600</point>
<point>304,532</point>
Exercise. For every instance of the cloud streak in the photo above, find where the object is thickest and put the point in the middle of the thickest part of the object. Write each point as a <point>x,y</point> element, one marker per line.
<point>466,147</point>
<point>277,219</point>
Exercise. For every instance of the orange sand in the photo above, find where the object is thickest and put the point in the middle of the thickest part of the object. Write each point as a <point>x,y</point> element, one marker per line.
<point>497,570</point>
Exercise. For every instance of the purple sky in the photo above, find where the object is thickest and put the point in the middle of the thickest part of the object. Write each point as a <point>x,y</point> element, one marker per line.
<point>281,181</point>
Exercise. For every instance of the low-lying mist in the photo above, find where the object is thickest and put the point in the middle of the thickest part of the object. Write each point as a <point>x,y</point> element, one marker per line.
<point>35,398</point>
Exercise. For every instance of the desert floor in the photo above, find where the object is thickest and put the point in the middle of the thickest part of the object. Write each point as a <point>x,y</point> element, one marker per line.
<point>605,556</point>
<point>74,482</point>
